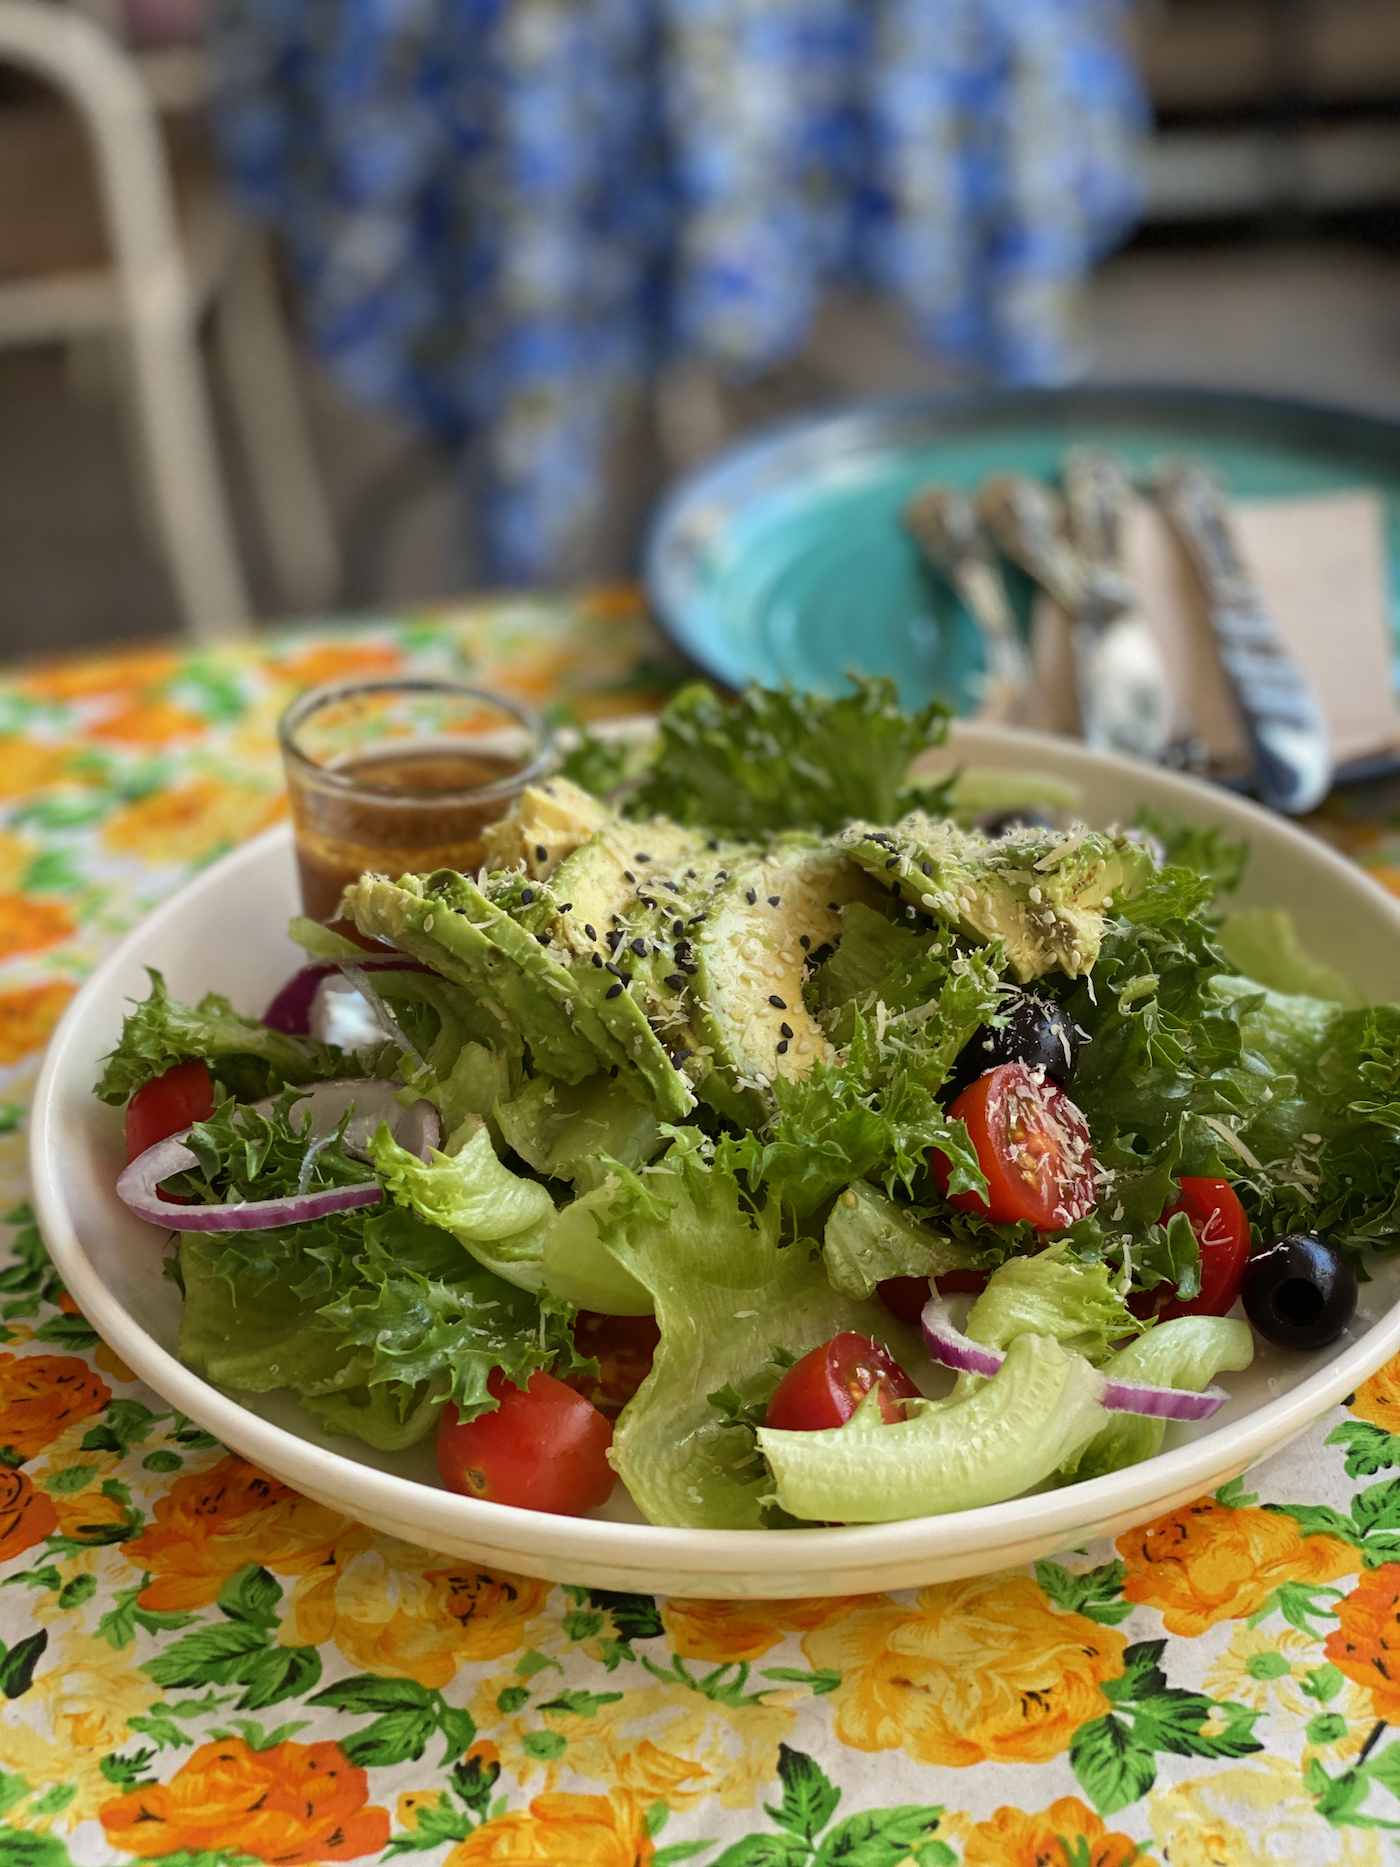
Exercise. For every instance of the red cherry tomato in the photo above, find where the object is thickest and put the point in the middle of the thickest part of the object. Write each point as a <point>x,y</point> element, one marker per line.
<point>544,1448</point>
<point>905,1297</point>
<point>168,1105</point>
<point>1033,1145</point>
<point>1222,1232</point>
<point>827,1385</point>
<point>623,1347</point>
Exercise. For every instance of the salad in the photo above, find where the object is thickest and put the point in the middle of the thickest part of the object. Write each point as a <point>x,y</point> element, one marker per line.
<point>672,1144</point>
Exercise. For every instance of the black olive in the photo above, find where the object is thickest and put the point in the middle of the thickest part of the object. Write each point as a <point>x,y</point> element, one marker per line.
<point>1030,1030</point>
<point>1300,1292</point>
<point>1022,817</point>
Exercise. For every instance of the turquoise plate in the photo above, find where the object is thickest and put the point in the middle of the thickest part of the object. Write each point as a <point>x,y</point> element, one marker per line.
<point>784,559</point>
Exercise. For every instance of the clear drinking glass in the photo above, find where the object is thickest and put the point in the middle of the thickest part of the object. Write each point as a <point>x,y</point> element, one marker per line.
<point>401,775</point>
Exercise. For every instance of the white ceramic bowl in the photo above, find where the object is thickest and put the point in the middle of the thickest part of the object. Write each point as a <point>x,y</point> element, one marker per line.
<point>225,931</point>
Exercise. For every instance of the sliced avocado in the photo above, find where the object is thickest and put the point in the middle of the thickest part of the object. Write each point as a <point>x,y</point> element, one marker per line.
<point>547,822</point>
<point>762,927</point>
<point>536,995</point>
<point>1044,893</point>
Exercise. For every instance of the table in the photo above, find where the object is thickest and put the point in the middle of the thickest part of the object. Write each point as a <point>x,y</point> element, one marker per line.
<point>201,1666</point>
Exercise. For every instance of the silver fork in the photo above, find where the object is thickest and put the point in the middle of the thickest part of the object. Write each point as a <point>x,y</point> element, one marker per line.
<point>943,523</point>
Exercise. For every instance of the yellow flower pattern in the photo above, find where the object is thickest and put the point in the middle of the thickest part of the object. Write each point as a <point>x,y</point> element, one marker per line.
<point>200,1665</point>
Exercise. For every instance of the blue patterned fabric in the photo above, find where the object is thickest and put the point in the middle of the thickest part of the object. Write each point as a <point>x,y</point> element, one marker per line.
<point>503,214</point>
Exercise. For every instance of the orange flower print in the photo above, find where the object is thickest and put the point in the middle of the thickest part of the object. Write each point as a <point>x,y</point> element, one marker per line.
<point>39,1396</point>
<point>976,1671</point>
<point>91,677</point>
<point>27,1017</point>
<point>1067,1834</point>
<point>745,1630</point>
<point>561,1830</point>
<point>28,924</point>
<point>406,1613</point>
<point>338,661</point>
<point>1378,1400</point>
<point>210,1524</point>
<point>294,1804</point>
<point>1365,1643</point>
<point>1206,1563</point>
<point>147,722</point>
<point>27,1516</point>
<point>26,765</point>
<point>191,823</point>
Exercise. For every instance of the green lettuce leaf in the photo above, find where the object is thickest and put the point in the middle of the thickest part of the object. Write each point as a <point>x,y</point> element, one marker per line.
<point>509,1224</point>
<point>1187,1352</point>
<point>251,1060</point>
<point>1209,852</point>
<point>562,1129</point>
<point>870,1237</point>
<point>1054,1294</point>
<point>990,1443</point>
<point>726,1294</point>
<point>787,761</point>
<point>868,1115</point>
<point>1263,945</point>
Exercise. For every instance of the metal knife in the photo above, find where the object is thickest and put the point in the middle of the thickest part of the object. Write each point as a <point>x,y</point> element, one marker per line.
<point>1282,715</point>
<point>943,524</point>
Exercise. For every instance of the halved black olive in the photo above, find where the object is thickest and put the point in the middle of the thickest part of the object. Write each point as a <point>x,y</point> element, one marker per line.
<point>1031,1030</point>
<point>1299,1292</point>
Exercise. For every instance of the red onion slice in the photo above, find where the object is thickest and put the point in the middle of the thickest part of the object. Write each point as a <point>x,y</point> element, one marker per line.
<point>138,1184</point>
<point>416,1128</point>
<point>290,1011</point>
<point>955,1350</point>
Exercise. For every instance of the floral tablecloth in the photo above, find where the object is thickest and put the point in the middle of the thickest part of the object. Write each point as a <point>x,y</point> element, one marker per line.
<point>202,1667</point>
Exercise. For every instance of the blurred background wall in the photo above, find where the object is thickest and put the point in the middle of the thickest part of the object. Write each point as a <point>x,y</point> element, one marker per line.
<point>1266,256</point>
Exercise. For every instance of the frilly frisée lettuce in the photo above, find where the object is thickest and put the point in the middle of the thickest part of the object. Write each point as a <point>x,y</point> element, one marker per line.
<point>700,1036</point>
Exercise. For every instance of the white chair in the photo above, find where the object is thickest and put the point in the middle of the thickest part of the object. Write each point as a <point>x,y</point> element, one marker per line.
<point>152,296</point>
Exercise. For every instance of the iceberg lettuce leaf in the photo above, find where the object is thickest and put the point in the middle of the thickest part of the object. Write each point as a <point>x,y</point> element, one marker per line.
<point>726,1293</point>
<point>870,1237</point>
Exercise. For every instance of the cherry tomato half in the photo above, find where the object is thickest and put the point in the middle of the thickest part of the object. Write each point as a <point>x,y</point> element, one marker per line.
<point>623,1347</point>
<point>544,1448</point>
<point>905,1297</point>
<point>1222,1232</point>
<point>1033,1145</point>
<point>827,1385</point>
<point>168,1105</point>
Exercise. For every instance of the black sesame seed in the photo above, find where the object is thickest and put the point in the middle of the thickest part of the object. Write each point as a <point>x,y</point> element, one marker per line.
<point>589,931</point>
<point>721,875</point>
<point>614,939</point>
<point>775,901</point>
<point>527,895</point>
<point>713,843</point>
<point>677,927</point>
<point>927,867</point>
<point>598,959</point>
<point>782,1048</point>
<point>628,876</point>
<point>646,901</point>
<point>682,949</point>
<point>804,941</point>
<point>785,1030</point>
<point>678,1057</point>
<point>689,966</point>
<point>642,856</point>
<point>690,877</point>
<point>639,947</point>
<point>673,886</point>
<point>541,853</point>
<point>751,896</point>
<point>543,939</point>
<point>613,991</point>
<point>776,1002</point>
<point>614,969</point>
<point>834,906</point>
<point>893,863</point>
<point>696,919</point>
<point>566,907</point>
<point>675,981</point>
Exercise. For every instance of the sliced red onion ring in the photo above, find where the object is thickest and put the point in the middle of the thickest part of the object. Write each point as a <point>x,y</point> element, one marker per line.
<point>137,1188</point>
<point>290,1011</point>
<point>955,1350</point>
<point>416,1128</point>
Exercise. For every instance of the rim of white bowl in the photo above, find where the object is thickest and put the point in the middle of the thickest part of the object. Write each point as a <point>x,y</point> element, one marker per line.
<point>586,1540</point>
